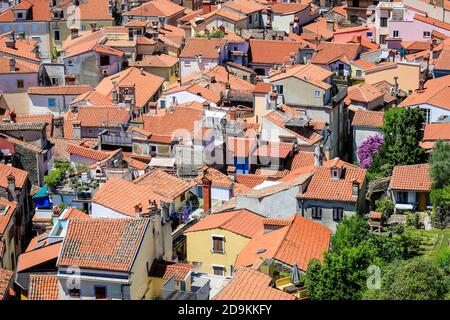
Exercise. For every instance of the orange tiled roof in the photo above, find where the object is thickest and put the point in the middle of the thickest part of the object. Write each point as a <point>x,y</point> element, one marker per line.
<point>44,117</point>
<point>243,222</point>
<point>87,152</point>
<point>209,48</point>
<point>241,146</point>
<point>412,177</point>
<point>93,98</point>
<point>167,270</point>
<point>319,27</point>
<point>43,287</point>
<point>103,244</point>
<point>60,90</point>
<point>105,116</point>
<point>6,218</point>
<point>262,88</point>
<point>363,64</point>
<point>323,187</point>
<point>156,8</point>
<point>274,150</point>
<point>309,136</point>
<point>249,284</point>
<point>139,165</point>
<point>329,52</point>
<point>20,175</point>
<point>302,159</point>
<point>443,62</point>
<point>217,178</point>
<point>24,49</point>
<point>287,8</point>
<point>158,61</point>
<point>21,66</point>
<point>250,180</point>
<point>367,118</point>
<point>364,92</point>
<point>310,73</point>
<point>220,74</point>
<point>39,9</point>
<point>244,6</point>
<point>298,240</point>
<point>122,196</point>
<point>199,90</point>
<point>33,258</point>
<point>436,131</point>
<point>74,213</point>
<point>5,282</point>
<point>273,51</point>
<point>164,183</point>
<point>436,93</point>
<point>175,122</point>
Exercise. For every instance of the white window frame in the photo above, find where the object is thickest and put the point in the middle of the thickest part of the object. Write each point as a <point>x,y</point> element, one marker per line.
<point>219,266</point>
<point>338,213</point>
<point>427,34</point>
<point>395,34</point>
<point>316,211</point>
<point>317,93</point>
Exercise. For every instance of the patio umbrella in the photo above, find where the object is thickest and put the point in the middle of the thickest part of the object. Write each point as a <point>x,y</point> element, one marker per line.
<point>295,276</point>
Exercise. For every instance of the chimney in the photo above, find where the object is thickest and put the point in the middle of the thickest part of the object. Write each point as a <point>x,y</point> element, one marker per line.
<point>273,100</point>
<point>317,156</point>
<point>358,38</point>
<point>395,85</point>
<point>231,171</point>
<point>138,210</point>
<point>162,22</point>
<point>12,116</point>
<point>142,71</point>
<point>233,113</point>
<point>114,96</point>
<point>11,42</point>
<point>206,7</point>
<point>12,65</point>
<point>206,184</point>
<point>12,195</point>
<point>74,33</point>
<point>355,188</point>
<point>330,25</point>
<point>421,85</point>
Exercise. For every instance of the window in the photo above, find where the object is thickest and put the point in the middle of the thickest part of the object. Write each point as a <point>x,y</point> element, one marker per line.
<point>19,15</point>
<point>100,292</point>
<point>70,63</point>
<point>279,88</point>
<point>218,270</point>
<point>104,60</point>
<point>74,293</point>
<point>56,35</point>
<point>426,34</point>
<point>317,93</point>
<point>153,148</point>
<point>383,22</point>
<point>52,102</point>
<point>55,81</point>
<point>316,213</point>
<point>83,27</point>
<point>182,197</point>
<point>395,33</point>
<point>383,39</point>
<point>218,244</point>
<point>335,173</point>
<point>187,63</point>
<point>338,214</point>
<point>426,115</point>
<point>162,104</point>
<point>358,73</point>
<point>20,84</point>
<point>250,19</point>
<point>369,34</point>
<point>244,77</point>
<point>402,197</point>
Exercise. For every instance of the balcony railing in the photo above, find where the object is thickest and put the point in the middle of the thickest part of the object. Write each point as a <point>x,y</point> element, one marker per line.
<point>124,139</point>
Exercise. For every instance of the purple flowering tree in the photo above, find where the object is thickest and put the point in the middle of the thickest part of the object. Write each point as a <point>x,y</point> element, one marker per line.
<point>368,149</point>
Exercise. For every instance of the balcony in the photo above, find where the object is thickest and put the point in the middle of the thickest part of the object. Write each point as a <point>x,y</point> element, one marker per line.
<point>122,139</point>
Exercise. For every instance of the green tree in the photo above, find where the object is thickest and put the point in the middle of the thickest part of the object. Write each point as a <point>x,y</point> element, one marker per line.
<point>440,198</point>
<point>385,206</point>
<point>402,134</point>
<point>416,279</point>
<point>440,164</point>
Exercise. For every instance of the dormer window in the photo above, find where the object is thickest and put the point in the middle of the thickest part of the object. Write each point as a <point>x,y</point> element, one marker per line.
<point>19,15</point>
<point>335,173</point>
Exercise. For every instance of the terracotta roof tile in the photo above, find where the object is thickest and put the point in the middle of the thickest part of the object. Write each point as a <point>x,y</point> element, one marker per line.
<point>367,118</point>
<point>434,22</point>
<point>310,73</point>
<point>250,180</point>
<point>263,87</point>
<point>87,152</point>
<point>43,287</point>
<point>8,215</point>
<point>74,213</point>
<point>287,8</point>
<point>39,9</point>
<point>298,240</point>
<point>274,150</point>
<point>319,27</point>
<point>163,183</point>
<point>158,61</point>
<point>364,92</point>
<point>167,270</point>
<point>208,48</point>
<point>44,117</point>
<point>122,196</point>
<point>20,175</point>
<point>302,159</point>
<point>37,257</point>
<point>199,90</point>
<point>412,177</point>
<point>93,98</point>
<point>146,84</point>
<point>363,64</point>
<point>249,284</point>
<point>241,147</point>
<point>273,51</point>
<point>156,8</point>
<point>243,222</point>
<point>436,131</point>
<point>443,62</point>
<point>24,49</point>
<point>323,187</point>
<point>5,282</point>
<point>217,178</point>
<point>244,6</point>
<point>21,66</point>
<point>329,52</point>
<point>103,244</point>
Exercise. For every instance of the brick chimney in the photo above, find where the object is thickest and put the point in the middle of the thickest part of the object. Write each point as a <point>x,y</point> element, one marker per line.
<point>206,6</point>
<point>138,210</point>
<point>12,116</point>
<point>231,171</point>
<point>355,188</point>
<point>206,184</point>
<point>74,33</point>
<point>421,85</point>
<point>12,195</point>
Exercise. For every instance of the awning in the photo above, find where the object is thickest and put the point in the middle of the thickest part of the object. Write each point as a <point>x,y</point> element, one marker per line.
<point>162,162</point>
<point>41,193</point>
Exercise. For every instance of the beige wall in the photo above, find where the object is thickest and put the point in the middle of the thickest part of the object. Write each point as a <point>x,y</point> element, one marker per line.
<point>408,76</point>
<point>260,107</point>
<point>298,92</point>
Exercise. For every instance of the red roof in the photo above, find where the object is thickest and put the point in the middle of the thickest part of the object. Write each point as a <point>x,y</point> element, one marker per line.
<point>273,51</point>
<point>274,150</point>
<point>5,282</point>
<point>43,287</point>
<point>37,257</point>
<point>367,118</point>
<point>7,216</point>
<point>167,270</point>
<point>20,175</point>
<point>241,147</point>
<point>411,178</point>
<point>436,131</point>
<point>249,284</point>
<point>104,244</point>
<point>87,152</point>
<point>298,240</point>
<point>243,222</point>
